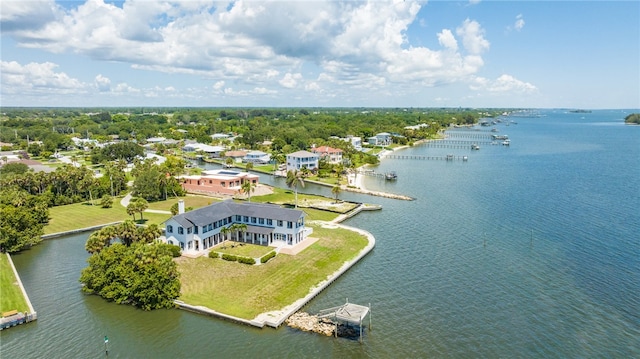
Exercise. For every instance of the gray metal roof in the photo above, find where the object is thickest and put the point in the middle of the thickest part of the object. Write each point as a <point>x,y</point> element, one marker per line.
<point>259,230</point>
<point>219,210</point>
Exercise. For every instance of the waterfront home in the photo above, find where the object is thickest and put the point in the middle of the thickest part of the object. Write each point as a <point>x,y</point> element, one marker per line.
<point>225,181</point>
<point>237,156</point>
<point>302,159</point>
<point>210,151</point>
<point>329,154</point>
<point>257,157</point>
<point>356,142</point>
<point>263,224</point>
<point>381,139</point>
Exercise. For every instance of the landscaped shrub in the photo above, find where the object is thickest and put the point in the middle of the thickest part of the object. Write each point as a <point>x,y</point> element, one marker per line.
<point>265,258</point>
<point>213,255</point>
<point>229,257</point>
<point>247,260</point>
<point>175,250</point>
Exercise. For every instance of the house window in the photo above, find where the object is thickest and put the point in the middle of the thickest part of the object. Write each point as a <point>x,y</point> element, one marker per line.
<point>169,229</point>
<point>210,226</point>
<point>222,184</point>
<point>189,230</point>
<point>269,222</point>
<point>195,229</point>
<point>238,218</point>
<point>253,219</point>
<point>180,230</point>
<point>261,220</point>
<point>204,229</point>
<point>245,219</point>
<point>279,223</point>
<point>289,224</point>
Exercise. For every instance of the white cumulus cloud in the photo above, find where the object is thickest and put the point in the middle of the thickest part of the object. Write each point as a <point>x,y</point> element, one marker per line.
<point>472,37</point>
<point>329,48</point>
<point>290,80</point>
<point>103,83</point>
<point>504,83</point>
<point>34,78</point>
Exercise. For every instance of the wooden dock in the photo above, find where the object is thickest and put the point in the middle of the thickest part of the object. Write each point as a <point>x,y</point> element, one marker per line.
<point>387,175</point>
<point>424,158</point>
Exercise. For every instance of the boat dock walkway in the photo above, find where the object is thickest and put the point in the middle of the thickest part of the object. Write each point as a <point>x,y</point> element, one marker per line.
<point>413,157</point>
<point>372,173</point>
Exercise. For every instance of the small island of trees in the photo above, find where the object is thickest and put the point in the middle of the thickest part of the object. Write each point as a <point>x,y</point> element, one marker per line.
<point>633,118</point>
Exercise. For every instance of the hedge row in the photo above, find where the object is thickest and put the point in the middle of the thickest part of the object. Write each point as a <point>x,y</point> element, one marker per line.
<point>234,258</point>
<point>267,256</point>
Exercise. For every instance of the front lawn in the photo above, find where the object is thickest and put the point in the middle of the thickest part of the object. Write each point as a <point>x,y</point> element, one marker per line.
<point>245,291</point>
<point>243,249</point>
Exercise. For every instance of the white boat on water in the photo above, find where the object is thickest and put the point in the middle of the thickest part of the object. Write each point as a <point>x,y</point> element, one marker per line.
<point>506,142</point>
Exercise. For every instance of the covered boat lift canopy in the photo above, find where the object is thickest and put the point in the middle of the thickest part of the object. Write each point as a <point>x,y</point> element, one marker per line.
<point>349,313</point>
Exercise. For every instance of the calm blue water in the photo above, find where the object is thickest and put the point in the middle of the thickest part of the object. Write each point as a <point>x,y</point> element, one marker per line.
<point>530,250</point>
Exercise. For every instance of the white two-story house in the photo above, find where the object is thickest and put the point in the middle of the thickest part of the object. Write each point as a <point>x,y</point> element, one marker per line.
<point>263,224</point>
<point>302,159</point>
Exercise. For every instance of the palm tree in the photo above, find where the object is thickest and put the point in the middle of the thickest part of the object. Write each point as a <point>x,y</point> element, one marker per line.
<point>293,179</point>
<point>229,162</point>
<point>247,187</point>
<point>249,166</point>
<point>240,228</point>
<point>225,231</point>
<point>336,191</point>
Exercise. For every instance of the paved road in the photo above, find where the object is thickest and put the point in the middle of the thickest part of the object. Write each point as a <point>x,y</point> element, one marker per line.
<point>127,199</point>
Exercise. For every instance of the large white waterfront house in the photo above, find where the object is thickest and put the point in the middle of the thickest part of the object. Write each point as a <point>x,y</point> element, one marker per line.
<point>302,159</point>
<point>264,224</point>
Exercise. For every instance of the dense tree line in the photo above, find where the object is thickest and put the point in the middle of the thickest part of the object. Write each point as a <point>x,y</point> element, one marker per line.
<point>66,185</point>
<point>121,151</point>
<point>22,218</point>
<point>298,128</point>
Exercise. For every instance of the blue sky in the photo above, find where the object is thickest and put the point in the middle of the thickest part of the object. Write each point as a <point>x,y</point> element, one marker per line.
<point>403,53</point>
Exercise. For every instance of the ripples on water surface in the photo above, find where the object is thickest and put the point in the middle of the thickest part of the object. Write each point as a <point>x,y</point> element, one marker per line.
<point>526,251</point>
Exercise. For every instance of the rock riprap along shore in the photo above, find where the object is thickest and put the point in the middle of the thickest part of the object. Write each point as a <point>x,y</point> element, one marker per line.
<point>311,323</point>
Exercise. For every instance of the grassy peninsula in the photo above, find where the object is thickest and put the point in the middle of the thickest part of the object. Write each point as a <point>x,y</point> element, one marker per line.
<point>11,298</point>
<point>245,291</point>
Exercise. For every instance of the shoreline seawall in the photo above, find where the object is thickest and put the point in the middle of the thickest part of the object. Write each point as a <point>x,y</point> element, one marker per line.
<point>19,319</point>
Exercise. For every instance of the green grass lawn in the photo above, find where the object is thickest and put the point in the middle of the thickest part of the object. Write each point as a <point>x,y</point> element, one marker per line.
<point>245,291</point>
<point>189,201</point>
<point>82,215</point>
<point>11,296</point>
<point>243,249</point>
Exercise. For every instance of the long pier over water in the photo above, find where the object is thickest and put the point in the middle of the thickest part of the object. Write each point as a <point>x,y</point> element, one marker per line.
<point>439,158</point>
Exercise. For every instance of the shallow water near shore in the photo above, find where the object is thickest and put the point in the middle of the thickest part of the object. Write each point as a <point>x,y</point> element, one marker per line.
<point>529,250</point>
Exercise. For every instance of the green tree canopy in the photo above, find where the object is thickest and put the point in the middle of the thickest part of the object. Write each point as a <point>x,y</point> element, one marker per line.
<point>22,219</point>
<point>633,118</point>
<point>143,275</point>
